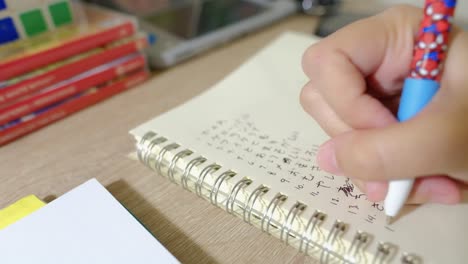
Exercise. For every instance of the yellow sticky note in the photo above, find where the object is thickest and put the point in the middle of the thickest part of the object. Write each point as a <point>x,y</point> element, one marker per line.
<point>19,209</point>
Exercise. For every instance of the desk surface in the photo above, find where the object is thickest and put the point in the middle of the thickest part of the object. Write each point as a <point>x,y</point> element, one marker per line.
<point>95,142</point>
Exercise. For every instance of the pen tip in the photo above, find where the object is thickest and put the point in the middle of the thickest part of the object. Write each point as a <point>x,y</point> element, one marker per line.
<point>389,220</point>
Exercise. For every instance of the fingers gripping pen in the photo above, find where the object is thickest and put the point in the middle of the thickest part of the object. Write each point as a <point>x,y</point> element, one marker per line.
<point>423,82</point>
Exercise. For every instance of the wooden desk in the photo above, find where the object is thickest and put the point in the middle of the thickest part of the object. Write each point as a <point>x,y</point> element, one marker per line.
<point>95,143</point>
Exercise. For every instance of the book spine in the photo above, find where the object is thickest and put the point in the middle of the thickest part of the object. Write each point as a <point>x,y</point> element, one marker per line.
<point>70,107</point>
<point>25,64</point>
<point>11,93</point>
<point>38,101</point>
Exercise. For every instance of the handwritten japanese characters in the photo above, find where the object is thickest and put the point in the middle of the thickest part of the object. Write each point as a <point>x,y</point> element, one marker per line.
<point>288,162</point>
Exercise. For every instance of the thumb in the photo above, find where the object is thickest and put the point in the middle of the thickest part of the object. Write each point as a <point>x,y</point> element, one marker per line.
<point>422,146</point>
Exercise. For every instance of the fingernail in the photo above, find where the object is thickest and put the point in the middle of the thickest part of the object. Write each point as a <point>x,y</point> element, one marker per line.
<point>326,158</point>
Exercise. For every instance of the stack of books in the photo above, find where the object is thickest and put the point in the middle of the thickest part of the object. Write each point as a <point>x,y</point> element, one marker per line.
<point>47,74</point>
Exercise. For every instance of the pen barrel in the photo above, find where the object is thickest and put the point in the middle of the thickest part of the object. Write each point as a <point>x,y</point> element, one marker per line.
<point>432,41</point>
<point>416,94</point>
<point>423,82</point>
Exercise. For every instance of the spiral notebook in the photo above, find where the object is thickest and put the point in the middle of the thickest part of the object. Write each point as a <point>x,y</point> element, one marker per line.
<point>247,146</point>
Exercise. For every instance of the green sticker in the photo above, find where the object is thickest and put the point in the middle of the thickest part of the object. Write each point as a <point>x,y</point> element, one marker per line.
<point>33,22</point>
<point>61,14</point>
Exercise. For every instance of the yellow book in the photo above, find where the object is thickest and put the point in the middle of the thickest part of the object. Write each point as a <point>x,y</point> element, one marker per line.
<point>19,209</point>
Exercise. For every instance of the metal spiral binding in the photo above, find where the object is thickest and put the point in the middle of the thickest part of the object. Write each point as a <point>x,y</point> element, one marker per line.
<point>279,198</point>
<point>360,241</point>
<point>202,176</point>
<point>384,251</point>
<point>260,190</point>
<point>337,230</point>
<point>410,259</point>
<point>295,210</point>
<point>145,150</point>
<point>142,147</point>
<point>179,155</point>
<point>159,158</point>
<point>217,185</point>
<point>185,175</point>
<point>316,219</point>
<point>234,191</point>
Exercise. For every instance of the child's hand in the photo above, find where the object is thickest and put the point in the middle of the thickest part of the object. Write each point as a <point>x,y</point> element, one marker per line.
<point>356,76</point>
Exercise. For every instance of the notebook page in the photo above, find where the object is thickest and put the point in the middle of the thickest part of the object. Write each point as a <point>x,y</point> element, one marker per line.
<point>252,122</point>
<point>85,225</point>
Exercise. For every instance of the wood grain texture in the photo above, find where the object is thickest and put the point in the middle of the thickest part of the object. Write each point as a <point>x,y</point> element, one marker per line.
<point>95,143</point>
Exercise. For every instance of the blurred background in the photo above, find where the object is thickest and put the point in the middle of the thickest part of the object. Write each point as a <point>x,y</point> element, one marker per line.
<point>338,13</point>
<point>335,13</point>
<point>61,56</point>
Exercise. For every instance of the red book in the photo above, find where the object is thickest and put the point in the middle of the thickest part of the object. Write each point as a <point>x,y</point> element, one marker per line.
<point>97,27</point>
<point>69,68</point>
<point>72,86</point>
<point>70,106</point>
